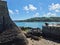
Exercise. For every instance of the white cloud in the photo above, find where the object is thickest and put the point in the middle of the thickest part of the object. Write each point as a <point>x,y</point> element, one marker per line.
<point>30,7</point>
<point>26,8</point>
<point>11,11</point>
<point>36,15</point>
<point>50,15</point>
<point>17,11</point>
<point>54,7</point>
<point>57,10</point>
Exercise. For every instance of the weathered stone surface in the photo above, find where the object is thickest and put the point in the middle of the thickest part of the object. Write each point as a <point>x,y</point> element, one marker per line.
<point>51,31</point>
<point>9,32</point>
<point>34,34</point>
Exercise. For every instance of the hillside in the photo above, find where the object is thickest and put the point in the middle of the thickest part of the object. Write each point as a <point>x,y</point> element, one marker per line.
<point>43,19</point>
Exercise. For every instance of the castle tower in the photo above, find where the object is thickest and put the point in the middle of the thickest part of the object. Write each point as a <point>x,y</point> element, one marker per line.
<point>9,32</point>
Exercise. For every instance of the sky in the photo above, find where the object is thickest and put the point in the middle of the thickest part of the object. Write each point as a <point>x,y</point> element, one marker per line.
<point>24,9</point>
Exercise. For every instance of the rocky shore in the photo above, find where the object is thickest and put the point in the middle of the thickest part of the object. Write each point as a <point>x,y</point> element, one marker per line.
<point>41,41</point>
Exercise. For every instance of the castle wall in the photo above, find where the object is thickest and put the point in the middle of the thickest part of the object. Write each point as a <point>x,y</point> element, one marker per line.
<point>51,31</point>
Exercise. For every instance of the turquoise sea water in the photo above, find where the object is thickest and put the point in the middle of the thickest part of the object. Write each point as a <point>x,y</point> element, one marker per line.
<point>33,24</point>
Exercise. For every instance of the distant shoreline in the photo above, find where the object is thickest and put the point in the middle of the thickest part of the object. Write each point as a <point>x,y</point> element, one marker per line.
<point>40,19</point>
<point>34,21</point>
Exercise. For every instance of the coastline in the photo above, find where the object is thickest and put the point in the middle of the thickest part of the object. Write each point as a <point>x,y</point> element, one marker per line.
<point>42,40</point>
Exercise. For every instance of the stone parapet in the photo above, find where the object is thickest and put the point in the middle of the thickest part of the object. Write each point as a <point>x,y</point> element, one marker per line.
<point>51,31</point>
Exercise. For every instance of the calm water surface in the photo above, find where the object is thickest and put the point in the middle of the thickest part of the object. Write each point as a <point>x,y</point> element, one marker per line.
<point>33,24</point>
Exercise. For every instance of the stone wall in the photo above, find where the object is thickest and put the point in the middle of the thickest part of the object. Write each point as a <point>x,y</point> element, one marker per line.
<point>51,31</point>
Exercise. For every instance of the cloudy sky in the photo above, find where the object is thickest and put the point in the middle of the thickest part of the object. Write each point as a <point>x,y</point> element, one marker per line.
<point>24,9</point>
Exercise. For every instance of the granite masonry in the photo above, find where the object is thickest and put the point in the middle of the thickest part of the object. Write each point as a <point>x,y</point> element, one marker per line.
<point>9,32</point>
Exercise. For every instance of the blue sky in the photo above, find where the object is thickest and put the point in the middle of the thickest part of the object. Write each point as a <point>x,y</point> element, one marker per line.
<point>24,9</point>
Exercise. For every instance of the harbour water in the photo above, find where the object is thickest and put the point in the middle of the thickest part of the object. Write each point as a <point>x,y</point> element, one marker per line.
<point>33,24</point>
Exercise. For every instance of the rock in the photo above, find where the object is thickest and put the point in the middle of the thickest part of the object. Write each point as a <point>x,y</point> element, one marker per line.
<point>35,37</point>
<point>28,35</point>
<point>34,34</point>
<point>9,32</point>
